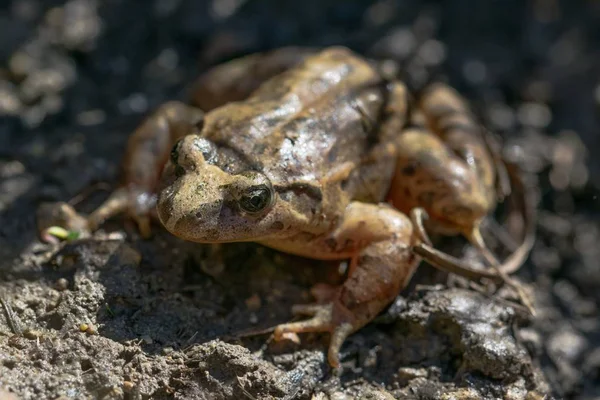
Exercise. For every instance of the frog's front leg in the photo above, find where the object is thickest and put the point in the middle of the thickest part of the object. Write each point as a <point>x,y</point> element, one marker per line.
<point>147,152</point>
<point>380,239</point>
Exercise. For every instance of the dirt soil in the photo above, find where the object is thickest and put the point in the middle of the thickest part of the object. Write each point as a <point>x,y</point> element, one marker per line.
<point>115,316</point>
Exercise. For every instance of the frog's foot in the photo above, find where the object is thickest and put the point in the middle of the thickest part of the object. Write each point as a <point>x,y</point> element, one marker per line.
<point>380,239</point>
<point>331,317</point>
<point>54,218</point>
<point>136,203</point>
<point>60,221</point>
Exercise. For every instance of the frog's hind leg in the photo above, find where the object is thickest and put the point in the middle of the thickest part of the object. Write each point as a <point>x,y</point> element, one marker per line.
<point>446,167</point>
<point>430,177</point>
<point>446,114</point>
<point>449,264</point>
<point>381,240</point>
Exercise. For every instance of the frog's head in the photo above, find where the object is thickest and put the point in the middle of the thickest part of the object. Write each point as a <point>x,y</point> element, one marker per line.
<point>200,202</point>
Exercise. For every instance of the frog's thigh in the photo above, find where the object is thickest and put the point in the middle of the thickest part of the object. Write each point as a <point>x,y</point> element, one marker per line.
<point>237,79</point>
<point>449,117</point>
<point>429,175</point>
<point>381,237</point>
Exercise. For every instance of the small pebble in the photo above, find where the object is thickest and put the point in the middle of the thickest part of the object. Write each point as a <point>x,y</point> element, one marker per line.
<point>380,13</point>
<point>147,340</point>
<point>515,392</point>
<point>116,236</point>
<point>91,330</point>
<point>462,394</point>
<point>339,396</point>
<point>567,345</point>
<point>61,284</point>
<point>168,59</point>
<point>532,340</point>
<point>32,334</point>
<point>432,52</point>
<point>535,115</point>
<point>546,258</point>
<point>52,103</point>
<point>11,169</point>
<point>406,374</point>
<point>502,116</point>
<point>91,117</point>
<point>222,9</point>
<point>378,394</point>
<point>10,104</point>
<point>253,318</point>
<point>34,116</point>
<point>591,365</point>
<point>535,396</point>
<point>136,103</point>
<point>128,386</point>
<point>26,10</point>
<point>399,44</point>
<point>127,255</point>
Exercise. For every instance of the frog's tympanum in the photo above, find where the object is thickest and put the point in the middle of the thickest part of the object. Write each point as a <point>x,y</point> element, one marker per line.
<point>318,154</point>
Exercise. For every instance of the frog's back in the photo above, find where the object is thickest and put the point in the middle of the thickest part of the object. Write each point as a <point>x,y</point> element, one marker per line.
<point>305,123</point>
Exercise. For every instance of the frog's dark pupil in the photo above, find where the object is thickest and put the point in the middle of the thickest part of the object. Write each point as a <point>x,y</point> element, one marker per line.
<point>256,199</point>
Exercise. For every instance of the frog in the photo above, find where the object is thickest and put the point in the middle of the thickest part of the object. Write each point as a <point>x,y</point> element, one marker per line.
<point>323,154</point>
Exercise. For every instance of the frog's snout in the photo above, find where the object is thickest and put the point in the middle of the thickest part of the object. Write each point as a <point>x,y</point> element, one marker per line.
<point>192,205</point>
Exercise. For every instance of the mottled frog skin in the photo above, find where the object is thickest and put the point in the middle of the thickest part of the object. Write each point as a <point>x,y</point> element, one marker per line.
<point>318,154</point>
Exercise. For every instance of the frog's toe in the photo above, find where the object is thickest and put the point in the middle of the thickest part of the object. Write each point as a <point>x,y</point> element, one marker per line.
<point>52,218</point>
<point>144,226</point>
<point>331,317</point>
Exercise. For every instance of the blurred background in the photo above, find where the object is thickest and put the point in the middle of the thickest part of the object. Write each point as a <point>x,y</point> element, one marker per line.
<point>77,76</point>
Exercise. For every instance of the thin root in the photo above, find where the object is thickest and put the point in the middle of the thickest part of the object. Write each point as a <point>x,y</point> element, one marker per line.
<point>477,240</point>
<point>448,263</point>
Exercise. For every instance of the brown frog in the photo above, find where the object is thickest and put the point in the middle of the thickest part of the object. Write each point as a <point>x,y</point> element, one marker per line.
<point>322,155</point>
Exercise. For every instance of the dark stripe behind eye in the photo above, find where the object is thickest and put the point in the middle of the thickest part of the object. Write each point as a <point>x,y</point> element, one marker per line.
<point>310,190</point>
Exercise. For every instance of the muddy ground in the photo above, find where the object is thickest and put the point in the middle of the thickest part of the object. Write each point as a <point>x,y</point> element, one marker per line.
<point>116,316</point>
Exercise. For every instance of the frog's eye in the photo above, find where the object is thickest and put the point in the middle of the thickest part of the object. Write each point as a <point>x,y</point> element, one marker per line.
<point>256,199</point>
